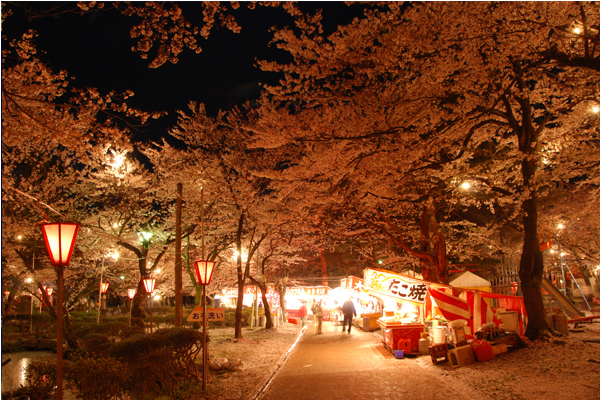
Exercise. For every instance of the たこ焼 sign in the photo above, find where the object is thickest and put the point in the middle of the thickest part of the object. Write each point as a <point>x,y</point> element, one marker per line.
<point>394,286</point>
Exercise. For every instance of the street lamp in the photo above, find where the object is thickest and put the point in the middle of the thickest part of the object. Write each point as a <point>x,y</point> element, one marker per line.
<point>131,295</point>
<point>204,271</point>
<point>149,284</point>
<point>60,241</point>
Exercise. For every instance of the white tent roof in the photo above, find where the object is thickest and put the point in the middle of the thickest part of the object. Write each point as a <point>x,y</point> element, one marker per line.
<point>468,279</point>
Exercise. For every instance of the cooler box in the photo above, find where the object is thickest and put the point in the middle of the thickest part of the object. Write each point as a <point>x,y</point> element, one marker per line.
<point>393,332</point>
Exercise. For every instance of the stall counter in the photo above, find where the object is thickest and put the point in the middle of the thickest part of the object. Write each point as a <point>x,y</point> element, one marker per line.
<point>367,322</point>
<point>394,331</point>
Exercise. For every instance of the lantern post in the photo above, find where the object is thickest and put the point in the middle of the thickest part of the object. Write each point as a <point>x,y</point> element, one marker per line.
<point>42,298</point>
<point>60,241</point>
<point>131,295</point>
<point>204,271</point>
<point>49,291</point>
<point>102,297</point>
<point>149,286</point>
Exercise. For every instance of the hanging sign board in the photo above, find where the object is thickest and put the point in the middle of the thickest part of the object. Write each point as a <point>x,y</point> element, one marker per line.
<point>352,283</point>
<point>306,291</point>
<point>212,314</point>
<point>394,286</point>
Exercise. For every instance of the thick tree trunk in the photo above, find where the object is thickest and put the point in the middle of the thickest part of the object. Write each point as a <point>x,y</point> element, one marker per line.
<point>441,268</point>
<point>16,287</point>
<point>238,309</point>
<point>68,334</point>
<point>324,268</point>
<point>427,269</point>
<point>138,312</point>
<point>241,279</point>
<point>532,265</point>
<point>269,322</point>
<point>436,271</point>
<point>263,288</point>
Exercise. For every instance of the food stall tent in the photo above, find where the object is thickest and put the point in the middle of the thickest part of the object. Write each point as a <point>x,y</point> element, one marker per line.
<point>468,280</point>
<point>406,304</point>
<point>368,308</point>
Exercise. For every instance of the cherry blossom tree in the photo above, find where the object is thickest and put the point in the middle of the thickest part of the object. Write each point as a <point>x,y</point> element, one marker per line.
<point>446,92</point>
<point>54,139</point>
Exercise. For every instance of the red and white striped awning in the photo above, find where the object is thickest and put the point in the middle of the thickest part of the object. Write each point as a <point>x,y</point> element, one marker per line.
<point>452,308</point>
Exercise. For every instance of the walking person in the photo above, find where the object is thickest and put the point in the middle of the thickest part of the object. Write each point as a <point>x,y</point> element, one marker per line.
<point>319,315</point>
<point>349,311</point>
<point>303,313</point>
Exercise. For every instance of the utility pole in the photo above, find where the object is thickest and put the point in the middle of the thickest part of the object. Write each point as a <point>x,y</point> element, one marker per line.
<point>178,278</point>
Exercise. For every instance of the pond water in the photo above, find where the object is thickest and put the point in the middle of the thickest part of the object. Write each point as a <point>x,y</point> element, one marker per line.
<point>13,373</point>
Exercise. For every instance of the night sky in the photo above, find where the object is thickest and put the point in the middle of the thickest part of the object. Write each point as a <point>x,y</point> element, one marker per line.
<point>96,49</point>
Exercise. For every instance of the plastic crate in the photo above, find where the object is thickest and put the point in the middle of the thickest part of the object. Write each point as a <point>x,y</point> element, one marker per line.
<point>439,353</point>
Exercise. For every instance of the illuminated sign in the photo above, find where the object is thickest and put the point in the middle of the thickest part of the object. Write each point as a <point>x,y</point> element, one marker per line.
<point>307,291</point>
<point>250,290</point>
<point>398,287</point>
<point>352,283</point>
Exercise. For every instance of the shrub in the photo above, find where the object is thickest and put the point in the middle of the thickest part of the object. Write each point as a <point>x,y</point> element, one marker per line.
<point>96,344</point>
<point>97,379</point>
<point>41,379</point>
<point>44,325</point>
<point>159,361</point>
<point>163,310</point>
<point>83,317</point>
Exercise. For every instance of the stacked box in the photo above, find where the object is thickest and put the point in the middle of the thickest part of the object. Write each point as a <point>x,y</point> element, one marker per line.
<point>499,348</point>
<point>461,356</point>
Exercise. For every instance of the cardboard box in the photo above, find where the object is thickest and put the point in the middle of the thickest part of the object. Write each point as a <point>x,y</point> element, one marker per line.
<point>500,348</point>
<point>461,356</point>
<point>460,338</point>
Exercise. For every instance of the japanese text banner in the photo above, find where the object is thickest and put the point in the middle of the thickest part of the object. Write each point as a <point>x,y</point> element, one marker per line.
<point>394,286</point>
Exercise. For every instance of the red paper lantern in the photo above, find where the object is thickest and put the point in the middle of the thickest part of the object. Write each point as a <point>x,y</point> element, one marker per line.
<point>103,287</point>
<point>204,271</point>
<point>131,293</point>
<point>149,285</point>
<point>60,241</point>
<point>49,291</point>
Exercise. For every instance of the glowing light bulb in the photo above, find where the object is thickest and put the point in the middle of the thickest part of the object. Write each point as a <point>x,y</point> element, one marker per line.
<point>577,30</point>
<point>466,185</point>
<point>560,226</point>
<point>595,109</point>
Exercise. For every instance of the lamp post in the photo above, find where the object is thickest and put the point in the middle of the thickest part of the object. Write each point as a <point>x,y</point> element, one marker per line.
<point>101,295</point>
<point>131,295</point>
<point>204,270</point>
<point>100,291</point>
<point>49,293</point>
<point>39,291</point>
<point>60,241</point>
<point>149,284</point>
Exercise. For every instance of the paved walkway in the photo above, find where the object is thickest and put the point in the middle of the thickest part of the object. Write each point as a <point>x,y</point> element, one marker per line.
<point>337,365</point>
